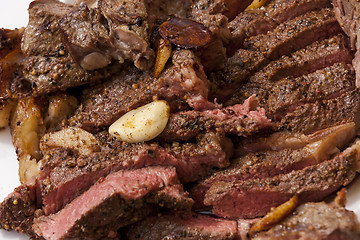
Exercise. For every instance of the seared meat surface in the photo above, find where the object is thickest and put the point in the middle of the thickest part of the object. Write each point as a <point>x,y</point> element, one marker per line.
<point>127,125</point>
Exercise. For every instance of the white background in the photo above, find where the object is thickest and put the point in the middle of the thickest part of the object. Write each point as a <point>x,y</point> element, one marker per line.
<point>13,14</point>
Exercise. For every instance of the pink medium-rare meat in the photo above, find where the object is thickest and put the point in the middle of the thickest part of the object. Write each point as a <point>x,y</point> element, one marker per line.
<point>127,193</point>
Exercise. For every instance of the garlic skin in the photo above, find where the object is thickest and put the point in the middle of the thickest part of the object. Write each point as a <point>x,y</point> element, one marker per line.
<point>142,124</point>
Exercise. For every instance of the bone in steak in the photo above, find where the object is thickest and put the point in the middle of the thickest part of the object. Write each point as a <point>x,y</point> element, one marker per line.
<point>118,200</point>
<point>253,198</point>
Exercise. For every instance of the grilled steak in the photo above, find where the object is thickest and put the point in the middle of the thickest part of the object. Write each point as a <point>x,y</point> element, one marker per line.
<point>294,140</point>
<point>183,82</point>
<point>309,59</point>
<point>192,226</point>
<point>269,163</point>
<point>261,20</point>
<point>241,119</point>
<point>128,22</point>
<point>87,37</point>
<point>318,55</point>
<point>254,197</point>
<point>18,209</point>
<point>42,36</point>
<point>261,49</point>
<point>305,29</point>
<point>321,114</point>
<point>315,221</point>
<point>118,200</point>
<point>65,176</point>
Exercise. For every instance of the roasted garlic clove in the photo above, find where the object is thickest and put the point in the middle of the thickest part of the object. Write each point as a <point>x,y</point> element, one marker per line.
<point>142,124</point>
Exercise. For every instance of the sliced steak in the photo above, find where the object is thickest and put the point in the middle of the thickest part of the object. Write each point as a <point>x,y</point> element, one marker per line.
<point>87,37</point>
<point>129,26</point>
<point>254,197</point>
<point>229,8</point>
<point>316,56</point>
<point>328,83</point>
<point>305,29</point>
<point>41,75</point>
<point>183,82</point>
<point>319,55</point>
<point>322,114</point>
<point>18,209</point>
<point>316,221</point>
<point>118,200</point>
<point>269,163</point>
<point>65,176</point>
<point>42,35</point>
<point>191,226</point>
<point>294,140</point>
<point>261,20</point>
<point>295,34</point>
<point>241,119</point>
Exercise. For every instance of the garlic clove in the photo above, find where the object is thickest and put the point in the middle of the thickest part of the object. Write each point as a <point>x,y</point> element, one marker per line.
<point>142,124</point>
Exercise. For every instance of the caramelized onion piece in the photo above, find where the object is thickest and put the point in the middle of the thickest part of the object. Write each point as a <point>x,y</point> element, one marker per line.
<point>162,55</point>
<point>275,215</point>
<point>185,33</point>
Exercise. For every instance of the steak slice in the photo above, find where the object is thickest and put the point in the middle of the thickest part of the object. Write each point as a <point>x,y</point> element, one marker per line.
<point>294,140</point>
<point>129,26</point>
<point>305,29</point>
<point>183,84</point>
<point>229,8</point>
<point>118,200</point>
<point>253,198</point>
<point>65,176</point>
<point>87,37</point>
<point>321,114</point>
<point>191,226</point>
<point>295,34</point>
<point>269,163</point>
<point>41,75</point>
<point>241,119</point>
<point>313,221</point>
<point>325,84</point>
<point>316,56</point>
<point>18,209</point>
<point>319,55</point>
<point>42,35</point>
<point>261,20</point>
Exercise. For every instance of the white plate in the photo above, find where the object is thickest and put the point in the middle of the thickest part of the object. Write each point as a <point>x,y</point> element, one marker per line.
<point>13,14</point>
